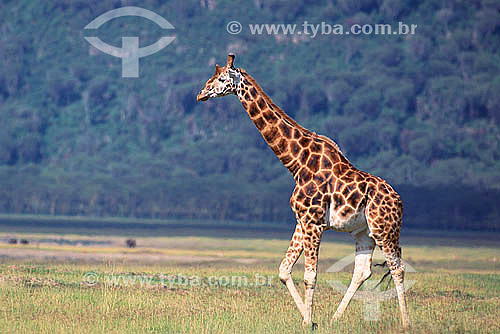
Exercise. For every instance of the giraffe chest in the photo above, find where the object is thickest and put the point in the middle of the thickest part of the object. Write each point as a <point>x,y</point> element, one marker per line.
<point>341,220</point>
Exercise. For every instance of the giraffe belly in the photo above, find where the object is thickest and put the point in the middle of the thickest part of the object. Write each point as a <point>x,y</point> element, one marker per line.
<point>353,224</point>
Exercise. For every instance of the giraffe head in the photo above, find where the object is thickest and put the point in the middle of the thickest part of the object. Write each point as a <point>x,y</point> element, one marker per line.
<point>224,82</point>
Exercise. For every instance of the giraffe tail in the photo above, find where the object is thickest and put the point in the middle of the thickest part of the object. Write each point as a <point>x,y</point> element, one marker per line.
<point>388,273</point>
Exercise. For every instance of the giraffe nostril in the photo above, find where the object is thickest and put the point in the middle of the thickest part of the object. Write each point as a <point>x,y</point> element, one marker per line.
<point>201,96</point>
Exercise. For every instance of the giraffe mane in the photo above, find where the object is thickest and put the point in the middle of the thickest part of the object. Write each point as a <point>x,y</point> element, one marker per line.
<point>284,115</point>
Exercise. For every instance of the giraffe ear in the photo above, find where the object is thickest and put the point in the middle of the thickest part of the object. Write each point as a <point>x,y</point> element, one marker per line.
<point>230,60</point>
<point>218,69</point>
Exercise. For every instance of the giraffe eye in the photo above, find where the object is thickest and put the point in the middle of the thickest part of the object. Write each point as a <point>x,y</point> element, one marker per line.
<point>222,79</point>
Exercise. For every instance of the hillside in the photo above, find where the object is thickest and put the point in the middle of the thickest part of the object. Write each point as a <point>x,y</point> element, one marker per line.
<point>422,111</point>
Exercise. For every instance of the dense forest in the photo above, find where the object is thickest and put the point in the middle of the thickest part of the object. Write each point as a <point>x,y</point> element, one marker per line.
<point>421,111</point>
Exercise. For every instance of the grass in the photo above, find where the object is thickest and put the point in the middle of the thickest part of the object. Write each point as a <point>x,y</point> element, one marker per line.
<point>42,288</point>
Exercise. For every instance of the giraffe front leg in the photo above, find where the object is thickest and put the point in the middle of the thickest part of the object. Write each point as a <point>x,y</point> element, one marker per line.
<point>312,239</point>
<point>310,285</point>
<point>292,255</point>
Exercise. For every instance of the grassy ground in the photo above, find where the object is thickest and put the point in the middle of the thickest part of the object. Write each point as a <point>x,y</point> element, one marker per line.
<point>77,283</point>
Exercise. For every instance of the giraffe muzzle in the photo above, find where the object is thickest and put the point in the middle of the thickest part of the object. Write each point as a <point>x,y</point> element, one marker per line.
<point>201,97</point>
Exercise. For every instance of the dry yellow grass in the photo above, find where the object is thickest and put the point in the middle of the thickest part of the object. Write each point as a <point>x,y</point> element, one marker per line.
<point>457,289</point>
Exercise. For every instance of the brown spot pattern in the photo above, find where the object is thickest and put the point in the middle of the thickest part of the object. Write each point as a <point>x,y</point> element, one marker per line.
<point>323,176</point>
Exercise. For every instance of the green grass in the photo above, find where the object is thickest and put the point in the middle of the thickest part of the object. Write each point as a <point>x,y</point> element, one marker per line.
<point>457,288</point>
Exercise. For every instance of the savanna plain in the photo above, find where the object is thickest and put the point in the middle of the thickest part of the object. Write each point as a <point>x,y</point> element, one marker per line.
<point>199,279</point>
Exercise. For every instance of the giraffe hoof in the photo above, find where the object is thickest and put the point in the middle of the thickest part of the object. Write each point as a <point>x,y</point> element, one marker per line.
<point>312,325</point>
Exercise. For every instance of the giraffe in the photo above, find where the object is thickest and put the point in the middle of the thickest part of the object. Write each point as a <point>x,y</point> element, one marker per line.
<point>330,194</point>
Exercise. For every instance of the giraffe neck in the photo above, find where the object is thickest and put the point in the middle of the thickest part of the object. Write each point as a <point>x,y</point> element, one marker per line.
<point>288,140</point>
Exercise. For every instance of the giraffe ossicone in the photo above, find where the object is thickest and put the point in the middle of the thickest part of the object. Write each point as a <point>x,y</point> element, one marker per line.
<point>330,193</point>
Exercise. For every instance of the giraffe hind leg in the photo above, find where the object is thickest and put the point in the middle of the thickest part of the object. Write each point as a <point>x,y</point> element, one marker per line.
<point>397,269</point>
<point>385,224</point>
<point>362,269</point>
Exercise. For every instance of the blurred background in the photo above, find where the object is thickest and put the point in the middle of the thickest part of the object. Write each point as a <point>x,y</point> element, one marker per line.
<point>76,139</point>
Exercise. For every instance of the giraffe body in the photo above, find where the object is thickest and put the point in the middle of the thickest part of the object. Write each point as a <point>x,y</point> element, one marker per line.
<point>356,222</point>
<point>330,193</point>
